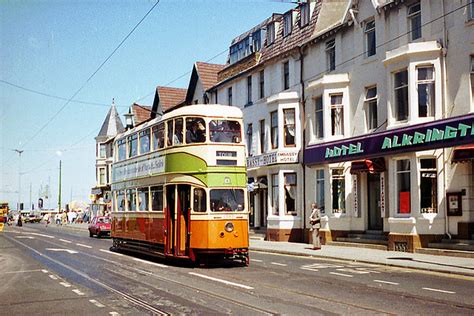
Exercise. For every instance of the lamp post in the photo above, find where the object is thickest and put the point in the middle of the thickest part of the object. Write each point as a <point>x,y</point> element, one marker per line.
<point>19,151</point>
<point>129,119</point>
<point>59,195</point>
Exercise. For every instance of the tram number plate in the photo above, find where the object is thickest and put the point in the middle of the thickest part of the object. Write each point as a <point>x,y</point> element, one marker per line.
<point>226,153</point>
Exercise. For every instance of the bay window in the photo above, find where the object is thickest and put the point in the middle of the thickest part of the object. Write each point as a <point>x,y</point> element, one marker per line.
<point>428,186</point>
<point>274,129</point>
<point>262,136</point>
<point>401,95</point>
<point>403,186</point>
<point>289,128</point>
<point>319,119</point>
<point>426,91</point>
<point>337,115</point>
<point>338,191</point>
<point>320,189</point>
<point>290,193</point>
<point>371,107</point>
<point>275,194</point>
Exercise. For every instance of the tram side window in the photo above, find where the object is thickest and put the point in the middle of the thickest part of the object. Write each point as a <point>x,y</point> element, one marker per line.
<point>199,204</point>
<point>120,201</point>
<point>169,133</point>
<point>122,149</point>
<point>132,145</point>
<point>158,134</point>
<point>224,131</point>
<point>143,197</point>
<point>132,200</point>
<point>157,198</point>
<point>227,200</point>
<point>195,130</point>
<point>178,131</point>
<point>144,141</point>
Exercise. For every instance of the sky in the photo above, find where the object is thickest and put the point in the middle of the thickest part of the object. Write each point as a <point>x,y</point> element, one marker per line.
<point>50,50</point>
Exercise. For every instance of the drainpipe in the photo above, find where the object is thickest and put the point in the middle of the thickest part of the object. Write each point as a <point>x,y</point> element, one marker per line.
<point>303,127</point>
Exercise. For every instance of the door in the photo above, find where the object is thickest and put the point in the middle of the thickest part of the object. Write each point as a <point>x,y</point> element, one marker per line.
<point>183,208</point>
<point>373,198</point>
<point>170,218</point>
<point>263,200</point>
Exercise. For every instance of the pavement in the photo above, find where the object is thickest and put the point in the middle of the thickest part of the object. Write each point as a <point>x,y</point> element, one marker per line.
<point>425,262</point>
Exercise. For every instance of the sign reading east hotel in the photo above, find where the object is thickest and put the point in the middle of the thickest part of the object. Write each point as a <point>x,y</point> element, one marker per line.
<point>438,134</point>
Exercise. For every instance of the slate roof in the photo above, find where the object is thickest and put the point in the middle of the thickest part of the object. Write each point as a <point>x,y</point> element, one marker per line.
<point>333,14</point>
<point>112,124</point>
<point>141,113</point>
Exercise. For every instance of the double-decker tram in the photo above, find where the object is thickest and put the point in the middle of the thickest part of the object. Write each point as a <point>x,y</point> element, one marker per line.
<point>179,186</point>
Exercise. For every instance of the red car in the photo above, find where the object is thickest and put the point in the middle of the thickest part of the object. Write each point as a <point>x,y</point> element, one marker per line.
<point>100,226</point>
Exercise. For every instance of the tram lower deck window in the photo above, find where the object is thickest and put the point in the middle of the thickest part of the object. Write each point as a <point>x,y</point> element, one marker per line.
<point>227,200</point>
<point>199,200</point>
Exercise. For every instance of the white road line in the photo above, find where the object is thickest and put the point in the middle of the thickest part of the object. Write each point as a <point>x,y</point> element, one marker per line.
<point>44,271</point>
<point>386,282</point>
<point>25,237</point>
<point>222,281</point>
<point>97,303</point>
<point>256,260</point>
<point>53,277</point>
<point>341,274</point>
<point>111,252</point>
<point>65,284</point>
<point>279,264</point>
<point>114,314</point>
<point>85,246</point>
<point>436,290</point>
<point>64,240</point>
<point>42,235</point>
<point>21,271</point>
<point>149,262</point>
<point>78,292</point>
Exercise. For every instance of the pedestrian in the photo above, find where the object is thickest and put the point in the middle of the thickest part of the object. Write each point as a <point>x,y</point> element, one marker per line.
<point>20,221</point>
<point>315,221</point>
<point>46,219</point>
<point>64,218</point>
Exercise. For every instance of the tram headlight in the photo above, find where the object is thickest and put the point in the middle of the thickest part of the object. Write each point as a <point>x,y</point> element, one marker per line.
<point>229,227</point>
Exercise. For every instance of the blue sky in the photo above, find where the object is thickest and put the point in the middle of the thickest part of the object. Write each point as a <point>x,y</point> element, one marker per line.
<point>54,46</point>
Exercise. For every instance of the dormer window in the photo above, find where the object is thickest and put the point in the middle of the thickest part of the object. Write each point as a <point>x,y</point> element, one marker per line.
<point>304,14</point>
<point>287,23</point>
<point>270,33</point>
<point>240,50</point>
<point>256,41</point>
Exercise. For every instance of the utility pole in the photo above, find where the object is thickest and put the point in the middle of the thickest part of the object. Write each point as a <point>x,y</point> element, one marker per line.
<point>59,197</point>
<point>19,151</point>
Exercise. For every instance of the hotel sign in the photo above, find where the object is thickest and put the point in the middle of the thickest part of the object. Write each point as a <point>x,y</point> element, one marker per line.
<point>143,166</point>
<point>278,157</point>
<point>438,134</point>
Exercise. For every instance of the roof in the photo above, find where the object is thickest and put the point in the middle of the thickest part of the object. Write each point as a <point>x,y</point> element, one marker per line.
<point>141,113</point>
<point>112,124</point>
<point>166,98</point>
<point>208,73</point>
<point>333,14</point>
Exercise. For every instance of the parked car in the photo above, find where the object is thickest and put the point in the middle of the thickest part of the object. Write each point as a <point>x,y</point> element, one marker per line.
<point>100,226</point>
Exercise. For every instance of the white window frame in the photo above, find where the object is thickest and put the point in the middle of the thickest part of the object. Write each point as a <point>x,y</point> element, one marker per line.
<point>249,138</point>
<point>429,173</point>
<point>102,151</point>
<point>102,177</point>
<point>287,23</point>
<point>370,38</point>
<point>271,33</point>
<point>396,107</point>
<point>414,18</point>
<point>286,75</point>
<point>472,80</point>
<point>337,110</point>
<point>397,185</point>
<point>274,129</point>
<point>319,117</point>
<point>261,84</point>
<point>319,197</point>
<point>291,188</point>
<point>304,14</point>
<point>431,111</point>
<point>288,126</point>
<point>338,177</point>
<point>331,55</point>
<point>371,104</point>
<point>275,194</point>
<point>249,90</point>
<point>471,10</point>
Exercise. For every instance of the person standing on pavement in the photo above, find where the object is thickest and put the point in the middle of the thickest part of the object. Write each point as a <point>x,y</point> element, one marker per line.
<point>315,221</point>
<point>64,218</point>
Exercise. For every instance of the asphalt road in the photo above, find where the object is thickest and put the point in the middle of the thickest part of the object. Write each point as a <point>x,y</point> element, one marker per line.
<point>53,270</point>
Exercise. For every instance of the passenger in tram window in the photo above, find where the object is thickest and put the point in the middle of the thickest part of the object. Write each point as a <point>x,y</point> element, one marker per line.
<point>194,134</point>
<point>178,132</point>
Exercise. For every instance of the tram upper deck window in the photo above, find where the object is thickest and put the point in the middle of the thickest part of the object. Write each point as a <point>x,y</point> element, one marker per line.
<point>158,136</point>
<point>195,130</point>
<point>122,149</point>
<point>227,200</point>
<point>225,131</point>
<point>199,200</point>
<point>144,139</point>
<point>132,145</point>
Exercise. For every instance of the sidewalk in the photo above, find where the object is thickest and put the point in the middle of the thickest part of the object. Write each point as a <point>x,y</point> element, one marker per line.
<point>435,263</point>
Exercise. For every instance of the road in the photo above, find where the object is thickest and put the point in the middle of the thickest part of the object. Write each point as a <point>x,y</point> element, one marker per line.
<point>54,270</point>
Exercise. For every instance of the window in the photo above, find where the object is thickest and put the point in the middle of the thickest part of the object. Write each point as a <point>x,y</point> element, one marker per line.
<point>178,131</point>
<point>289,127</point>
<point>249,90</point>
<point>199,203</point>
<point>401,95</point>
<point>331,55</point>
<point>471,10</point>
<point>143,198</point>
<point>249,139</point>
<point>472,77</point>
<point>371,107</point>
<point>144,140</point>
<point>287,23</point>
<point>132,145</point>
<point>428,186</point>
<point>132,200</point>
<point>262,136</point>
<point>102,151</point>
<point>256,41</point>
<point>122,149</point>
<point>337,115</point>
<point>320,189</point>
<point>195,130</point>
<point>158,136</point>
<point>286,75</point>
<point>261,85</point>
<point>270,33</point>
<point>304,14</point>
<point>369,31</point>
<point>120,201</point>
<point>319,119</point>
<point>338,191</point>
<point>290,193</point>
<point>229,96</point>
<point>224,131</point>
<point>240,50</point>
<point>227,200</point>
<point>403,186</point>
<point>275,194</point>
<point>274,129</point>
<point>102,180</point>
<point>414,21</point>
<point>157,198</point>
<point>426,91</point>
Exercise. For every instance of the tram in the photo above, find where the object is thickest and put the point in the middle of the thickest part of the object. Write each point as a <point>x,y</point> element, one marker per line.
<point>179,186</point>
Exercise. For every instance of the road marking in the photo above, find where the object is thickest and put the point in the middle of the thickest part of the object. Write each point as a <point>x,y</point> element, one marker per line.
<point>353,271</point>
<point>436,290</point>
<point>341,274</point>
<point>149,262</point>
<point>96,303</point>
<point>78,292</point>
<point>44,271</point>
<point>42,235</point>
<point>111,252</point>
<point>53,277</point>
<point>386,282</point>
<point>85,246</point>
<point>25,237</point>
<point>222,281</point>
<point>256,260</point>
<point>114,314</point>
<point>65,284</point>
<point>67,241</point>
<point>279,264</point>
<point>62,249</point>
<point>21,271</point>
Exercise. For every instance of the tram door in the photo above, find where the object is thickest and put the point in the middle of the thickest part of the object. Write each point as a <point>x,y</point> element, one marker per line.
<point>178,200</point>
<point>170,217</point>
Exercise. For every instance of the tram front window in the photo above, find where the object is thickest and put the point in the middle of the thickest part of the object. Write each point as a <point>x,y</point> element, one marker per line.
<point>227,200</point>
<point>224,131</point>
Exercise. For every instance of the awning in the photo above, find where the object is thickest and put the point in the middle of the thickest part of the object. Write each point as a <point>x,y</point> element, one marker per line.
<point>368,165</point>
<point>463,153</point>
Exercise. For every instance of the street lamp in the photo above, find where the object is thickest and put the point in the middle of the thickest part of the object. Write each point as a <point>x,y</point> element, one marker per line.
<point>129,119</point>
<point>19,151</point>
